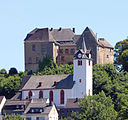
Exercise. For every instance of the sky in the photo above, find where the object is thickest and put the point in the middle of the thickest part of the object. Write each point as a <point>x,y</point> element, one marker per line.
<point>107,18</point>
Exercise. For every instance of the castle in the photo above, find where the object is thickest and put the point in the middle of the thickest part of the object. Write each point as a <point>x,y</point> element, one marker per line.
<point>37,93</point>
<point>61,45</point>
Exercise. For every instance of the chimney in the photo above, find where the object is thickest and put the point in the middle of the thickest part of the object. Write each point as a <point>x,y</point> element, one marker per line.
<point>60,29</point>
<point>73,30</point>
<point>54,83</point>
<point>51,29</point>
<point>76,100</point>
<point>40,83</point>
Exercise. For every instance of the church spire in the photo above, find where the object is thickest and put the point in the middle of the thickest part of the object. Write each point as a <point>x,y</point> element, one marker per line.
<point>84,46</point>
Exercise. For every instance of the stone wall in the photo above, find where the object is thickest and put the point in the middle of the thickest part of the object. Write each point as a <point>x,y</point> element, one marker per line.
<point>36,51</point>
<point>66,54</point>
<point>105,55</point>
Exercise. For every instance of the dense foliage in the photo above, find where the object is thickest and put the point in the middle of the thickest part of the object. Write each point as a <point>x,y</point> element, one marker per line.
<point>13,117</point>
<point>10,84</point>
<point>48,67</point>
<point>121,54</point>
<point>96,107</point>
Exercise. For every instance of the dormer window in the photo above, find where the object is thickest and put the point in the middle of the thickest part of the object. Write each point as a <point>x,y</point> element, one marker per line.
<point>41,110</point>
<point>79,62</point>
<point>32,110</point>
<point>17,106</point>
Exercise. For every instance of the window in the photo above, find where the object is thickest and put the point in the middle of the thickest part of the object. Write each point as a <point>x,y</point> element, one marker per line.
<point>62,58</point>
<point>33,48</point>
<point>79,62</point>
<point>72,51</point>
<point>62,97</point>
<point>61,51</point>
<point>30,94</point>
<point>80,80</point>
<point>29,60</point>
<point>89,62</point>
<point>51,95</point>
<point>28,118</point>
<point>66,51</point>
<point>40,94</point>
<point>37,60</point>
<point>107,56</point>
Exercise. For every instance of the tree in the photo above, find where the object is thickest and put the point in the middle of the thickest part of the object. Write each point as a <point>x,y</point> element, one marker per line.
<point>13,117</point>
<point>122,106</point>
<point>121,54</point>
<point>124,59</point>
<point>47,61</point>
<point>13,71</point>
<point>10,86</point>
<point>3,71</point>
<point>96,107</point>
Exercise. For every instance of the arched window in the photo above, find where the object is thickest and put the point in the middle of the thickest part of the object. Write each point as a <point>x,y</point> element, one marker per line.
<point>40,94</point>
<point>89,62</point>
<point>62,97</point>
<point>51,95</point>
<point>30,94</point>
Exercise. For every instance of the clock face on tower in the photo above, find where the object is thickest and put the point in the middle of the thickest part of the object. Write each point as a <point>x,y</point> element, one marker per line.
<point>79,55</point>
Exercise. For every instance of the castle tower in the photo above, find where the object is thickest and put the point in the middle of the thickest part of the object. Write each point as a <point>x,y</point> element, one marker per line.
<point>82,73</point>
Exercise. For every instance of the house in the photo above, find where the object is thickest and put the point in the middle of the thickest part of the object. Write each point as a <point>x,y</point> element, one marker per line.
<point>40,97</point>
<point>61,44</point>
<point>31,109</point>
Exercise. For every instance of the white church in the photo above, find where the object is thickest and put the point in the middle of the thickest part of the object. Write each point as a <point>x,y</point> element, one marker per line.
<point>57,89</point>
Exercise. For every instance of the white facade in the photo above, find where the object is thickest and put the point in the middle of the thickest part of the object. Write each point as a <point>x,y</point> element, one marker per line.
<point>82,77</point>
<point>56,95</point>
<point>53,115</point>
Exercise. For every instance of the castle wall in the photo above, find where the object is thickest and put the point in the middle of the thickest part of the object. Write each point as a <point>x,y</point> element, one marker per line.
<point>66,54</point>
<point>105,55</point>
<point>36,51</point>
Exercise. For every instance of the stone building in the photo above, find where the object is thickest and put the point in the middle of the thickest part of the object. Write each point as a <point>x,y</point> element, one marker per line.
<point>61,45</point>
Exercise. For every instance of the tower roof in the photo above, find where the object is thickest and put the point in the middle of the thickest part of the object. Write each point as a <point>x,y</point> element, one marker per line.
<point>84,46</point>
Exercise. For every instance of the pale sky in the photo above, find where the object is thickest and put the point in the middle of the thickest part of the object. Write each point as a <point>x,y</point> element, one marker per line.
<point>108,18</point>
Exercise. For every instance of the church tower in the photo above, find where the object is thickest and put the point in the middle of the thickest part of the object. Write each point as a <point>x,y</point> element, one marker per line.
<point>82,67</point>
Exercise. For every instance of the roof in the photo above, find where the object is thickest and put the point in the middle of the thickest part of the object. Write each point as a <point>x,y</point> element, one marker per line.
<point>104,43</point>
<point>47,82</point>
<point>87,29</point>
<point>16,102</point>
<point>39,34</point>
<point>46,35</point>
<point>38,104</point>
<point>72,103</point>
<point>66,43</point>
<point>84,55</point>
<point>62,34</point>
